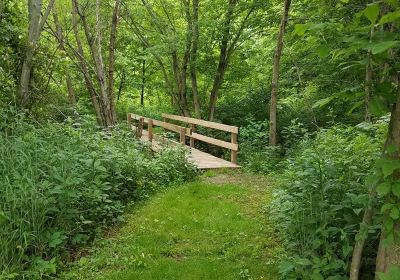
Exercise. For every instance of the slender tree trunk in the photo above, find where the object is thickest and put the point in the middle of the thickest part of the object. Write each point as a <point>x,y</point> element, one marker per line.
<point>111,59</point>
<point>71,92</point>
<point>83,66</point>
<point>275,75</point>
<point>218,80</point>
<point>368,82</point>
<point>36,23</point>
<point>101,75</point>
<point>359,246</point>
<point>1,8</point>
<point>24,94</point>
<point>121,85</point>
<point>193,58</point>
<point>143,82</point>
<point>35,8</point>
<point>223,60</point>
<point>390,255</point>
<point>61,40</point>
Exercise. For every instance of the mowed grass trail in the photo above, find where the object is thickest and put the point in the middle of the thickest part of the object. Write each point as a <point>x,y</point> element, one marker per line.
<point>214,228</point>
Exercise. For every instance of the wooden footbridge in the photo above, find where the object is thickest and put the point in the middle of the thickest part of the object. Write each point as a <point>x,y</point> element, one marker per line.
<point>144,129</point>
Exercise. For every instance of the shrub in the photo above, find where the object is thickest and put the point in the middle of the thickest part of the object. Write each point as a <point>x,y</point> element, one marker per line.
<point>319,207</point>
<point>61,183</point>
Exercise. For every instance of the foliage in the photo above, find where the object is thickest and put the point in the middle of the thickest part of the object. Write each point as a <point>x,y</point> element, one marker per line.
<point>324,191</point>
<point>63,182</point>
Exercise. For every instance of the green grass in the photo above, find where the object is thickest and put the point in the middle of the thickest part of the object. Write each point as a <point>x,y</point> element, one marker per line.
<point>214,228</point>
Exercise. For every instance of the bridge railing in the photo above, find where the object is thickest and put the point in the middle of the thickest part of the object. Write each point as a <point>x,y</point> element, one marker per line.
<point>232,146</point>
<point>190,131</point>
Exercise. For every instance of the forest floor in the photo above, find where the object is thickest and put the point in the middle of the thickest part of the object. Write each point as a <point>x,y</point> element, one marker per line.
<point>213,228</point>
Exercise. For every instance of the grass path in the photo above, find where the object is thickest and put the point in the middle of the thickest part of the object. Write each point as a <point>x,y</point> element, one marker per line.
<point>214,228</point>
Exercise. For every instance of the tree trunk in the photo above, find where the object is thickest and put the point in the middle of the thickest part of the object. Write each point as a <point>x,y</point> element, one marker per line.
<point>83,66</point>
<point>193,58</point>
<point>36,23</point>
<point>24,94</point>
<point>143,82</point>
<point>275,76</point>
<point>359,246</point>
<point>101,75</point>
<point>223,60</point>
<point>1,8</point>
<point>368,82</point>
<point>111,59</point>
<point>34,8</point>
<point>61,40</point>
<point>390,255</point>
<point>121,85</point>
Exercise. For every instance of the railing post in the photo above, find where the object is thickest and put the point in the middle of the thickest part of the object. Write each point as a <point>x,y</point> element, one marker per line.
<point>182,136</point>
<point>150,130</point>
<point>129,120</point>
<point>139,130</point>
<point>166,121</point>
<point>192,129</point>
<point>234,138</point>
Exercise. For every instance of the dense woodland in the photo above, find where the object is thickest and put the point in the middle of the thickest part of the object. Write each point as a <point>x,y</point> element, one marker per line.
<point>313,85</point>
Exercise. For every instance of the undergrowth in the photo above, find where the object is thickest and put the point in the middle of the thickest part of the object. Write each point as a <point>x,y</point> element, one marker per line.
<point>61,183</point>
<point>319,205</point>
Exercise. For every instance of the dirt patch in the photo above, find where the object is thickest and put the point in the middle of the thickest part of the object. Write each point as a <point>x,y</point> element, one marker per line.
<point>236,177</point>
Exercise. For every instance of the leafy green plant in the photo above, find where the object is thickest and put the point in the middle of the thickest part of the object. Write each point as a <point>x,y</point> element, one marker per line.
<point>322,198</point>
<point>61,183</point>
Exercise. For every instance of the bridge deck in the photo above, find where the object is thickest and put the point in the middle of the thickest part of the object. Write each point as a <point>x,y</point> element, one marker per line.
<point>201,159</point>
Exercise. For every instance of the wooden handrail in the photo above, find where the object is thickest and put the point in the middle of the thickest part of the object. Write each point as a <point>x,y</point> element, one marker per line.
<point>190,132</point>
<point>216,142</point>
<point>214,125</point>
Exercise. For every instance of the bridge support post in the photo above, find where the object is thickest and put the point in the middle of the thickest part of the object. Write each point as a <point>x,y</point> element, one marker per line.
<point>182,136</point>
<point>150,130</point>
<point>234,138</point>
<point>129,120</point>
<point>192,129</point>
<point>139,129</point>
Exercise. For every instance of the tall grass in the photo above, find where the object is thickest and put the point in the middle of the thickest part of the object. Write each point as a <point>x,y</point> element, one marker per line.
<point>60,183</point>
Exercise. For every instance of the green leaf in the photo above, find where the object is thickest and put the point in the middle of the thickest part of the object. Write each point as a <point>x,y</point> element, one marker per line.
<point>393,3</point>
<point>388,223</point>
<point>372,12</point>
<point>300,29</point>
<point>384,188</point>
<point>388,240</point>
<point>383,46</point>
<point>323,51</point>
<point>390,17</point>
<point>388,166</point>
<point>396,189</point>
<point>386,207</point>
<point>377,106</point>
<point>323,102</point>
<point>391,149</point>
<point>392,274</point>
<point>394,213</point>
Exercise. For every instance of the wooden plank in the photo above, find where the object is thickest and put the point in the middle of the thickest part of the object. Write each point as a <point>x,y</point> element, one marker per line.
<point>214,141</point>
<point>219,126</point>
<point>199,158</point>
<point>172,127</point>
<point>204,160</point>
<point>138,117</point>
